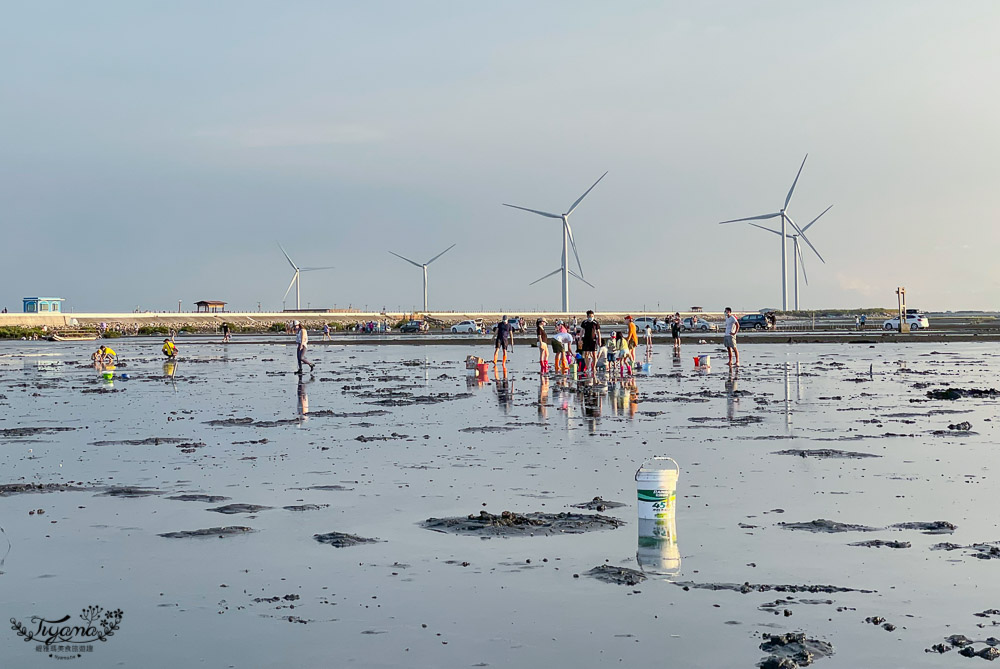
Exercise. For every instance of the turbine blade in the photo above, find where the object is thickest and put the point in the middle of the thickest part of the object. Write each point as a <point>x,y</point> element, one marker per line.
<point>809,224</point>
<point>789,197</point>
<point>440,254</point>
<point>313,269</point>
<point>572,242</point>
<point>577,276</point>
<point>555,271</point>
<point>768,229</point>
<point>804,238</point>
<point>802,262</point>
<point>752,218</point>
<point>533,211</point>
<point>294,277</point>
<point>286,257</point>
<point>415,264</point>
<point>585,195</point>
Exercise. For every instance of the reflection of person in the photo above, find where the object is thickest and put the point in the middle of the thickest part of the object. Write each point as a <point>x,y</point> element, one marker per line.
<point>675,331</point>
<point>169,348</point>
<point>731,328</point>
<point>543,397</point>
<point>505,395</point>
<point>169,368</point>
<point>543,346</point>
<point>732,399</point>
<point>303,398</point>
<point>301,343</point>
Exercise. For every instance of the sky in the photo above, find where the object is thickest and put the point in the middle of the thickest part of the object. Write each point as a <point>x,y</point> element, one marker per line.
<point>159,152</point>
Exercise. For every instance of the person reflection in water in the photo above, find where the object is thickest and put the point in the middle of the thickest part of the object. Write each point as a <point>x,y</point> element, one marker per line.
<point>303,398</point>
<point>732,393</point>
<point>543,397</point>
<point>505,390</point>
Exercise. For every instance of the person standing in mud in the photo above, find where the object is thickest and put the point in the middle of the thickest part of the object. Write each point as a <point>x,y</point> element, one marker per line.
<point>504,339</point>
<point>675,332</point>
<point>225,332</point>
<point>326,332</point>
<point>301,343</point>
<point>729,339</point>
<point>590,342</point>
<point>543,346</point>
<point>632,339</point>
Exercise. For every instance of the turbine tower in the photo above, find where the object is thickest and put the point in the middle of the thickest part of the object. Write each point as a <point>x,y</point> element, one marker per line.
<point>295,278</point>
<point>785,218</point>
<point>567,241</point>
<point>424,268</point>
<point>797,261</point>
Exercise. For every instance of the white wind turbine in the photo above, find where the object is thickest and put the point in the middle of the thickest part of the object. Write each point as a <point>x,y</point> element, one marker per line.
<point>797,261</point>
<point>423,266</point>
<point>295,278</point>
<point>785,218</point>
<point>567,241</point>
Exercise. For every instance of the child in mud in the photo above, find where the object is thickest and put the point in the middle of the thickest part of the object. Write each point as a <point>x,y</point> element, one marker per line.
<point>105,356</point>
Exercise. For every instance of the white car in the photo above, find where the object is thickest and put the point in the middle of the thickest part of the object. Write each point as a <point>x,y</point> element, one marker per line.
<point>696,323</point>
<point>659,325</point>
<point>916,321</point>
<point>468,327</point>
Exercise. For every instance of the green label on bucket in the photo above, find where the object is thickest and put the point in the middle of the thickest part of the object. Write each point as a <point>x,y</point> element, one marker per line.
<point>656,495</point>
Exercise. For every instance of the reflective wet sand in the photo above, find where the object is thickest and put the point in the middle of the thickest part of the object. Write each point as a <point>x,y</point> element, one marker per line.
<point>380,439</point>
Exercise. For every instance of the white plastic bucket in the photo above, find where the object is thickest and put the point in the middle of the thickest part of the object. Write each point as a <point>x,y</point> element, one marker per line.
<point>656,487</point>
<point>704,360</point>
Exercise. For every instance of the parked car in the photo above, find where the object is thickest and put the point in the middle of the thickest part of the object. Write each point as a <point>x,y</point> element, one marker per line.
<point>657,324</point>
<point>700,324</point>
<point>469,327</point>
<point>754,322</point>
<point>414,326</point>
<point>916,321</point>
<point>516,324</point>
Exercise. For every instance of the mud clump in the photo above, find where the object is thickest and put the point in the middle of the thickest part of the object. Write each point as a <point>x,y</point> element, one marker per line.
<point>211,499</point>
<point>229,422</point>
<point>879,543</point>
<point>983,551</point>
<point>932,527</point>
<point>305,507</point>
<point>828,526</point>
<point>209,532</point>
<point>128,491</point>
<point>825,453</point>
<point>794,646</point>
<point>8,489</point>
<point>508,523</point>
<point>748,587</point>
<point>964,426</point>
<point>239,508</point>
<point>342,540</point>
<point>597,504</point>
<point>958,393</point>
<point>617,575</point>
<point>149,441</point>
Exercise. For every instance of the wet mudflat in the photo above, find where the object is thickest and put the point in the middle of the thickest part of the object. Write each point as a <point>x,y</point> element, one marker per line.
<point>879,549</point>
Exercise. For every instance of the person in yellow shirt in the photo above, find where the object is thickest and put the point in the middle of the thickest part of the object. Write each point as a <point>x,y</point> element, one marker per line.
<point>104,356</point>
<point>169,348</point>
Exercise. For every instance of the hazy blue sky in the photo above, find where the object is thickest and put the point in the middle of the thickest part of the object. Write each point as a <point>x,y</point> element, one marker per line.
<point>157,151</point>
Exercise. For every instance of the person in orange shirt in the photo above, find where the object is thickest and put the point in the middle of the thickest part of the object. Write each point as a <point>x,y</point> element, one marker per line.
<point>632,339</point>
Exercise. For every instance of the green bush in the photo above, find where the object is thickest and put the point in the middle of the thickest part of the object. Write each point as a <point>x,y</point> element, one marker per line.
<point>276,327</point>
<point>146,330</point>
<point>17,332</point>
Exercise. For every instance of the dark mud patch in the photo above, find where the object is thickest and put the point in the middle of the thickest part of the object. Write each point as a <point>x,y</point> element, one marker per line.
<point>959,393</point>
<point>793,646</point>
<point>488,428</point>
<point>825,453</point>
<point>597,504</point>
<point>435,398</point>
<point>239,508</point>
<point>508,523</point>
<point>364,438</point>
<point>746,588</point>
<point>331,487</point>
<point>932,527</point>
<point>326,413</point>
<point>879,543</point>
<point>129,492</point>
<point>8,489</point>
<point>17,432</point>
<point>305,507</point>
<point>983,551</point>
<point>211,499</point>
<point>219,532</point>
<point>827,526</point>
<point>967,647</point>
<point>342,540</point>
<point>617,575</point>
<point>230,422</point>
<point>149,441</point>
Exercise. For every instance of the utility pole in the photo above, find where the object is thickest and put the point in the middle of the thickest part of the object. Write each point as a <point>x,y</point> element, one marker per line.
<point>178,306</point>
<point>901,300</point>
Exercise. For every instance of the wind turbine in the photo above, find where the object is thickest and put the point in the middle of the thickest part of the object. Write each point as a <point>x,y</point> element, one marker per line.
<point>567,241</point>
<point>785,218</point>
<point>295,278</point>
<point>797,261</point>
<point>424,267</point>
